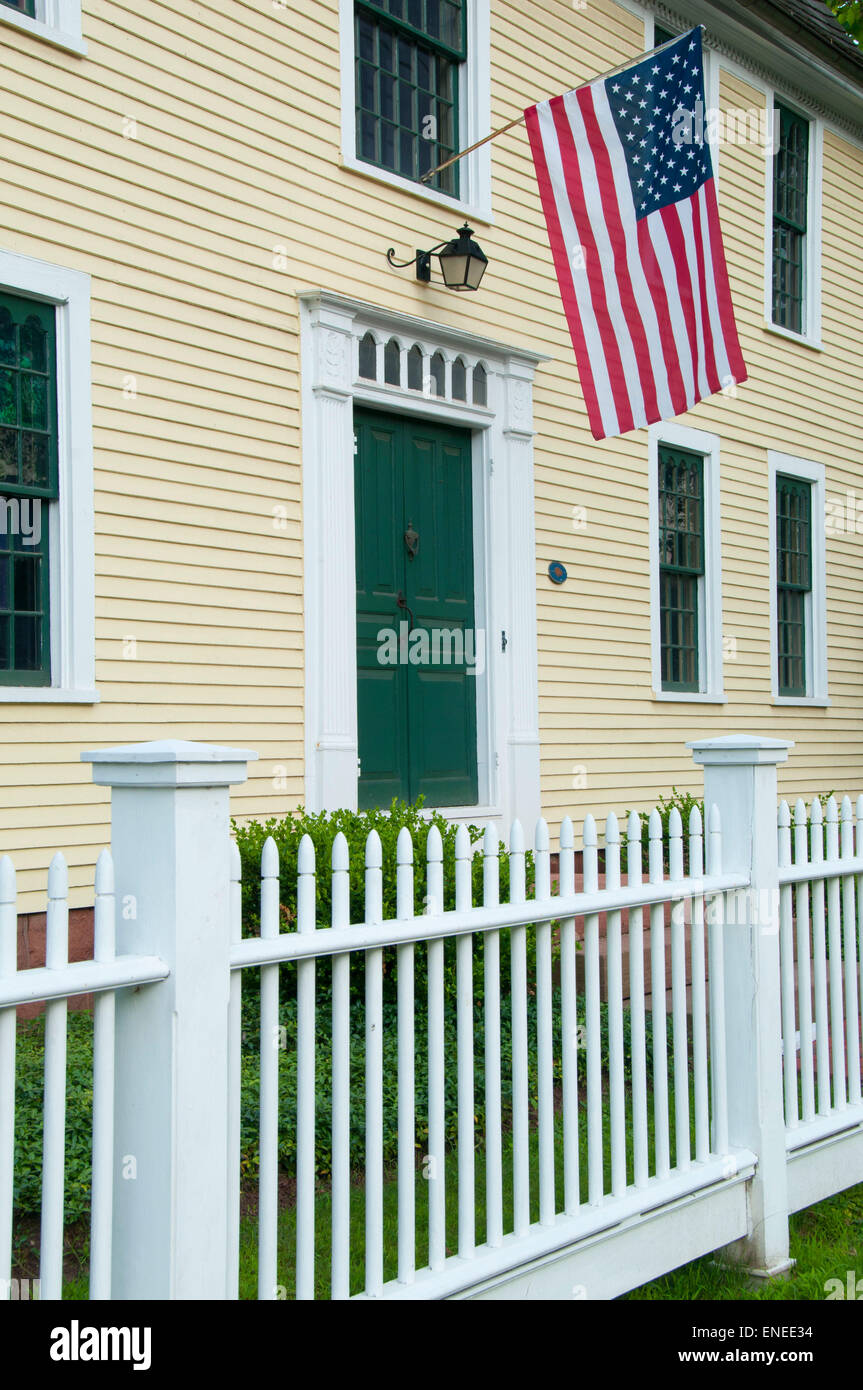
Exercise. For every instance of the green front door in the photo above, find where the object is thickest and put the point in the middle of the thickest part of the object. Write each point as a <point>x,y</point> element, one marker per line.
<point>418,653</point>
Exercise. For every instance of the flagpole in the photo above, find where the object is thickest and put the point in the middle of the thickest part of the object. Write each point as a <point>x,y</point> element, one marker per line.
<point>501,130</point>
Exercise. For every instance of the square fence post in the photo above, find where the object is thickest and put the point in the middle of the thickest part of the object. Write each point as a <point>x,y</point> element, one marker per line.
<point>170,836</point>
<point>740,780</point>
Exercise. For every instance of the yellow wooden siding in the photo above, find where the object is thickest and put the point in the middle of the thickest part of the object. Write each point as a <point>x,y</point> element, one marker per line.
<point>237,152</point>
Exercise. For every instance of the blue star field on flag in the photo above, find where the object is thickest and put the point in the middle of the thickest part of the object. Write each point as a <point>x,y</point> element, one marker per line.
<point>658,109</point>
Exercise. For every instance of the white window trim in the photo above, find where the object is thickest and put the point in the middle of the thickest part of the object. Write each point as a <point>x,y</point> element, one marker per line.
<point>71,533</point>
<point>57,22</point>
<point>811,335</point>
<point>816,605</point>
<point>710,587</point>
<point>474,104</point>
<point>504,547</point>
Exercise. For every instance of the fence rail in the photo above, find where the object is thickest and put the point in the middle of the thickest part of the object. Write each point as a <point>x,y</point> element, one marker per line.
<point>501,1131</point>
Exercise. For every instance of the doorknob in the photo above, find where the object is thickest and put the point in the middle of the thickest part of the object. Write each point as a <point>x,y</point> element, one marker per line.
<point>401,602</point>
<point>412,541</point>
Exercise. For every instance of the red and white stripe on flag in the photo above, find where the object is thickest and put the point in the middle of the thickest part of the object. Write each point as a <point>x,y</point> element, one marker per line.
<point>642,273</point>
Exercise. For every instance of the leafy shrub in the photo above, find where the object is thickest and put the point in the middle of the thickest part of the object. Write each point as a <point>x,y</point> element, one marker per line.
<point>323,1065</point>
<point>356,827</point>
<point>29,1088</point>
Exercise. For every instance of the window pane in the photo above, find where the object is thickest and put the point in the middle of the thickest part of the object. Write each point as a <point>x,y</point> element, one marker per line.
<point>7,339</point>
<point>8,456</point>
<point>681,510</point>
<point>790,203</point>
<point>794,580</point>
<point>681,559</point>
<point>34,460</point>
<point>415,369</point>
<point>33,346</point>
<point>28,424</point>
<point>34,401</point>
<point>406,93</point>
<point>392,363</point>
<point>459,380</point>
<point>479,385</point>
<point>678,620</point>
<point>438,373</point>
<point>27,644</point>
<point>368,357</point>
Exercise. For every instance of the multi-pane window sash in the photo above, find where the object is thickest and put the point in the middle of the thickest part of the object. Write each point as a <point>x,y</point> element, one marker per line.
<point>28,482</point>
<point>793,580</point>
<point>790,201</point>
<point>681,565</point>
<point>407,55</point>
<point>27,7</point>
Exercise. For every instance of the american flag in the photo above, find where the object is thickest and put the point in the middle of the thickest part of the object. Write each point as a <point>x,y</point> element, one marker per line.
<point>627,189</point>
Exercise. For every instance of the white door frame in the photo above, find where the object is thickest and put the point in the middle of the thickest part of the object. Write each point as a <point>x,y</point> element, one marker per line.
<point>332,326</point>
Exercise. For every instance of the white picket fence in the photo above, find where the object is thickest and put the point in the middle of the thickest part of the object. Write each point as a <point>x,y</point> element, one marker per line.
<point>600,1166</point>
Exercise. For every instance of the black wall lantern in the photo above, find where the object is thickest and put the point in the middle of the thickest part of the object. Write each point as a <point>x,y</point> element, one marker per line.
<point>462,262</point>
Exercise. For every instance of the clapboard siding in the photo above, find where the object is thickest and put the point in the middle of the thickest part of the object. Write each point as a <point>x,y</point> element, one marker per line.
<point>237,152</point>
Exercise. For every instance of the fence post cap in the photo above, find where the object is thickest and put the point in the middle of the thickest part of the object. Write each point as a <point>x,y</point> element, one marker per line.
<point>735,750</point>
<point>168,762</point>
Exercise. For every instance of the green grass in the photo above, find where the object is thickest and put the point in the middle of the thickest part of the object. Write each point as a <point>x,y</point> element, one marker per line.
<point>826,1241</point>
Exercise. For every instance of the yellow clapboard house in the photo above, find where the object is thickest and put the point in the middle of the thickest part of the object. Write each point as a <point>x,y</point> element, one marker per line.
<point>238,443</point>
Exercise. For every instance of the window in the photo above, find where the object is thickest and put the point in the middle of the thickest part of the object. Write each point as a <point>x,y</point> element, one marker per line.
<point>681,565</point>
<point>415,89</point>
<point>408,54</point>
<point>28,479</point>
<point>685,564</point>
<point>798,620</point>
<point>793,580</point>
<point>46,484</point>
<point>790,219</point>
<point>56,21</point>
<point>661,35</point>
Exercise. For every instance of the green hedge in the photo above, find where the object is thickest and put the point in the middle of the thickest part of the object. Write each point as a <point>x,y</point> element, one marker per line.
<point>356,827</point>
<point>30,1062</point>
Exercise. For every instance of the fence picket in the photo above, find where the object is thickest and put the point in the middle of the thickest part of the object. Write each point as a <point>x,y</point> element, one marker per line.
<point>491,993</point>
<point>636,1004</point>
<point>545,1054</point>
<point>570,1029</point>
<point>8,968</point>
<point>595,1177</point>
<point>104,946</point>
<point>305,1254</point>
<point>54,1130</point>
<point>374,1169</point>
<point>699,994</point>
<point>614,964</point>
<point>464,1031</point>
<point>406,1075</point>
<point>786,961</point>
<point>659,1003</point>
<point>235,1072</point>
<point>819,957</point>
<point>436,1067</point>
<point>680,1041</point>
<point>804,965</point>
<point>268,1164</point>
<point>834,928</point>
<point>340,916</point>
<point>716,987</point>
<point>852,997</point>
<point>858,843</point>
<point>518,993</point>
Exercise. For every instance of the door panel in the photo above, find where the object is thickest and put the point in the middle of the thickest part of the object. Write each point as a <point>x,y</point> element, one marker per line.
<point>417,718</point>
<point>381,690</point>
